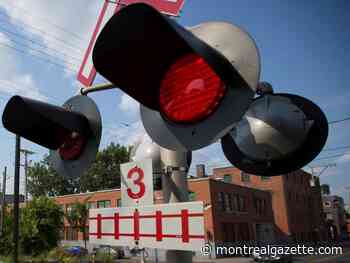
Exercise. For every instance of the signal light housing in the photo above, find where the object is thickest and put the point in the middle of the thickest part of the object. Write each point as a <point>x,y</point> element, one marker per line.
<point>280,133</point>
<point>150,50</point>
<point>72,132</point>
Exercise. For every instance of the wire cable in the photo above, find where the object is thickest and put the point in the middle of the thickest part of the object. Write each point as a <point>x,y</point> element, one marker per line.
<point>47,20</point>
<point>16,35</point>
<point>338,121</point>
<point>24,27</point>
<point>64,67</point>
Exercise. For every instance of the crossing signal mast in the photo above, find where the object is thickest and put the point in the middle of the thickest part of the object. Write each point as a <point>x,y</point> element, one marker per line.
<point>195,86</point>
<point>198,85</point>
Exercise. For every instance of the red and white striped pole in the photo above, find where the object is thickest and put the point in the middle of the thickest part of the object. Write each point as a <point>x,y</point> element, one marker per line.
<point>175,190</point>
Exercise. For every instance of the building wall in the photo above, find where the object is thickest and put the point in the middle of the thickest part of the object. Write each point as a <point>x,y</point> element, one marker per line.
<point>296,205</point>
<point>93,199</point>
<point>238,223</point>
<point>221,224</point>
<point>334,210</point>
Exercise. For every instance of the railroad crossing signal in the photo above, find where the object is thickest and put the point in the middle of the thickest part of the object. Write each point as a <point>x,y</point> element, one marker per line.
<point>177,226</point>
<point>137,183</point>
<point>193,84</point>
<point>71,132</point>
<point>280,133</point>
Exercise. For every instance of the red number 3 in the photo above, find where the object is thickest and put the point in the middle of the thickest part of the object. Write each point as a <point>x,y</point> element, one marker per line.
<point>138,181</point>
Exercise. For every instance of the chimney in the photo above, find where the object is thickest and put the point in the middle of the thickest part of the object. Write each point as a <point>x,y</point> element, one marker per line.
<point>325,190</point>
<point>200,168</point>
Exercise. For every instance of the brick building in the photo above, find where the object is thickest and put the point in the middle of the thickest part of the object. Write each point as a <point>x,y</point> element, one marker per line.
<point>232,212</point>
<point>334,209</point>
<point>296,201</point>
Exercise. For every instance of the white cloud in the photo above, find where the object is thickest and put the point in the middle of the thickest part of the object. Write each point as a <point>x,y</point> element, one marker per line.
<point>125,135</point>
<point>12,81</point>
<point>129,105</point>
<point>344,158</point>
<point>63,27</point>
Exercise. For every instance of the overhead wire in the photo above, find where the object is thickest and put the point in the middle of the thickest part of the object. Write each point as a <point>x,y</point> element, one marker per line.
<point>64,67</point>
<point>18,43</point>
<point>47,20</point>
<point>34,30</point>
<point>27,39</point>
<point>338,121</point>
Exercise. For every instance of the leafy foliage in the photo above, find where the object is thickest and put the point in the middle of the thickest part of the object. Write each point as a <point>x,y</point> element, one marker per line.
<point>77,217</point>
<point>41,223</point>
<point>6,239</point>
<point>43,180</point>
<point>105,171</point>
<point>103,174</point>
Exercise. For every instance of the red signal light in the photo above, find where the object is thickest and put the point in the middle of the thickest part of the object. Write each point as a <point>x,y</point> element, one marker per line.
<point>190,90</point>
<point>71,145</point>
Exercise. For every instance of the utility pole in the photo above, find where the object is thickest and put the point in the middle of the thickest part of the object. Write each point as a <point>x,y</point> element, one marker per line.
<point>16,200</point>
<point>324,168</point>
<point>3,208</point>
<point>26,153</point>
<point>175,190</point>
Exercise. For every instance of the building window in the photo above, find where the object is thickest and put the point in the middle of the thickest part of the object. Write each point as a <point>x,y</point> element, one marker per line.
<point>260,206</point>
<point>235,202</point>
<point>92,205</point>
<point>72,233</point>
<point>228,202</point>
<point>245,177</point>
<point>241,204</point>
<point>265,178</point>
<point>227,178</point>
<point>69,208</point>
<point>119,202</point>
<point>221,202</point>
<point>104,204</point>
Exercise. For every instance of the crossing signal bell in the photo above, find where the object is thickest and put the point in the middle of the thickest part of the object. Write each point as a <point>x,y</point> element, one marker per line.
<point>72,132</point>
<point>193,84</point>
<point>280,133</point>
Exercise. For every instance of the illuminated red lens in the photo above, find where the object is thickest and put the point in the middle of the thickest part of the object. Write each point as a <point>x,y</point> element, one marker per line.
<point>72,146</point>
<point>190,90</point>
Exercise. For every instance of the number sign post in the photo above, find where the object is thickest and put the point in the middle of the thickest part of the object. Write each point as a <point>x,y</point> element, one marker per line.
<point>137,183</point>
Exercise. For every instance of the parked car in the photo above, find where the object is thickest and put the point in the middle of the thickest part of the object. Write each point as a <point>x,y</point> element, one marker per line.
<point>265,258</point>
<point>76,251</point>
<point>116,252</point>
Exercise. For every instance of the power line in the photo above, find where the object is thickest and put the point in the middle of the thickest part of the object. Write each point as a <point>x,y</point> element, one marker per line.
<point>20,24</point>
<point>42,52</point>
<point>330,157</point>
<point>337,121</point>
<point>47,20</point>
<point>12,33</point>
<point>337,148</point>
<point>64,67</point>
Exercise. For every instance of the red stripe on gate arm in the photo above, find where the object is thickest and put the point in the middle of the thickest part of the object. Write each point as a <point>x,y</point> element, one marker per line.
<point>185,226</point>
<point>159,227</point>
<point>116,226</point>
<point>136,225</point>
<point>99,226</point>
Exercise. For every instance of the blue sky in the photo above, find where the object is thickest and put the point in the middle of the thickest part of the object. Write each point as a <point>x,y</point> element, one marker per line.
<point>303,45</point>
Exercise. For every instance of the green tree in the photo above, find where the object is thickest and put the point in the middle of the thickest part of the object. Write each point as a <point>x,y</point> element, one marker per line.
<point>77,216</point>
<point>105,171</point>
<point>103,174</point>
<point>41,223</point>
<point>44,181</point>
<point>6,238</point>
